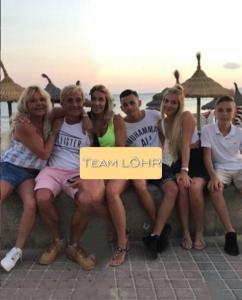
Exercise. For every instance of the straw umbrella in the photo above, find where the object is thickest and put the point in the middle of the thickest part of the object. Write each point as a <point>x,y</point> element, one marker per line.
<point>155,103</point>
<point>53,90</point>
<point>87,102</point>
<point>9,90</point>
<point>237,99</point>
<point>201,86</point>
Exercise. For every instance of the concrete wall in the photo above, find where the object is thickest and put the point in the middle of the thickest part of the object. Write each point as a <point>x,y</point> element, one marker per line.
<point>100,229</point>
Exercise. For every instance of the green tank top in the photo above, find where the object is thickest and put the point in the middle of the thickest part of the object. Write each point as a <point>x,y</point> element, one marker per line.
<point>108,139</point>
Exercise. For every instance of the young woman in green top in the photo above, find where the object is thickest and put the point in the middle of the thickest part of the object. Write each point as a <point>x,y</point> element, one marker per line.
<point>110,131</point>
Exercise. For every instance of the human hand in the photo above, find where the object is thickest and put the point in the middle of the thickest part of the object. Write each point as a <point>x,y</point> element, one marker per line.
<point>185,178</point>
<point>214,184</point>
<point>22,119</point>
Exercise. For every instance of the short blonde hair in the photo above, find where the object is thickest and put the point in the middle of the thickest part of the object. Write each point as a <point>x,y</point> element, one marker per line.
<point>66,91</point>
<point>175,140</point>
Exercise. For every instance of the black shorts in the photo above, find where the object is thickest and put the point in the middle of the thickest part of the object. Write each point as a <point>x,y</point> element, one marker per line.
<point>196,164</point>
<point>167,175</point>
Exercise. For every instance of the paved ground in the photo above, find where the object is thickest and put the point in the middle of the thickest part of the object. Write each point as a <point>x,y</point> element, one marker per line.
<point>176,274</point>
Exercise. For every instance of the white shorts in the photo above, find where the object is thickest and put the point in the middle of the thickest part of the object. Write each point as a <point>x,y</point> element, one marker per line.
<point>229,176</point>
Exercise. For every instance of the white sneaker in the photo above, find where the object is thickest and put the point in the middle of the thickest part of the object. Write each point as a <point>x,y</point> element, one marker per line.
<point>11,258</point>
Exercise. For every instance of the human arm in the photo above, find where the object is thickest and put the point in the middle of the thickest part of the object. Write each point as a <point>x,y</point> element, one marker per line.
<point>27,134</point>
<point>214,183</point>
<point>120,131</point>
<point>188,126</point>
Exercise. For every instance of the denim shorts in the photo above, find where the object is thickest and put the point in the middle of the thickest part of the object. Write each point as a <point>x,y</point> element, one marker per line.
<point>167,175</point>
<point>16,175</point>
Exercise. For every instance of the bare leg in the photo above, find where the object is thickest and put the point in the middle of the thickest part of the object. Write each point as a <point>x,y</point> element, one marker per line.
<point>145,198</point>
<point>197,208</point>
<point>81,216</point>
<point>26,192</point>
<point>170,193</point>
<point>48,211</point>
<point>183,208</point>
<point>5,190</point>
<point>222,210</point>
<point>89,200</point>
<point>113,190</point>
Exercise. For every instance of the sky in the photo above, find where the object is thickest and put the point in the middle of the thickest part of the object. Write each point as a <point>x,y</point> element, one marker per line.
<point>121,43</point>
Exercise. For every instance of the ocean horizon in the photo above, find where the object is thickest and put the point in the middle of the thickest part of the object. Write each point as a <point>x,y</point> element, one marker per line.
<point>190,104</point>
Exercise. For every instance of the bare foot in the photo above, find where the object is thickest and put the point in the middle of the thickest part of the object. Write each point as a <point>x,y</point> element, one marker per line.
<point>186,243</point>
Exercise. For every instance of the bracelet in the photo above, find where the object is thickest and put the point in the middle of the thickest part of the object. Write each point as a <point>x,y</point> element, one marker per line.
<point>184,169</point>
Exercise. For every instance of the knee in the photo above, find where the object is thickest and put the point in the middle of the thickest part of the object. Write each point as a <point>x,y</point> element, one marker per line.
<point>111,192</point>
<point>43,199</point>
<point>140,185</point>
<point>84,199</point>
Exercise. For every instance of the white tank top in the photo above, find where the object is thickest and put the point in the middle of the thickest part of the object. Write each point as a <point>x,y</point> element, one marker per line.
<point>70,139</point>
<point>167,157</point>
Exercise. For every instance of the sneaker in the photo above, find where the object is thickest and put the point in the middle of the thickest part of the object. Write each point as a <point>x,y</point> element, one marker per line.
<point>11,258</point>
<point>50,254</point>
<point>78,255</point>
<point>231,245</point>
<point>151,245</point>
<point>163,240</point>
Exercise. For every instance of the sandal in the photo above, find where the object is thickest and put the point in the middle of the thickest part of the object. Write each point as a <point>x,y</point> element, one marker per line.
<point>186,243</point>
<point>119,257</point>
<point>199,244</point>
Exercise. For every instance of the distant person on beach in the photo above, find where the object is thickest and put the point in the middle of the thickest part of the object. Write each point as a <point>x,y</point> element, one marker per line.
<point>142,131</point>
<point>30,146</point>
<point>183,152</point>
<point>222,144</point>
<point>62,174</point>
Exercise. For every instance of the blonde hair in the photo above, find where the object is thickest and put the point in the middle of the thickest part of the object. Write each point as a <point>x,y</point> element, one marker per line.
<point>175,139</point>
<point>22,106</point>
<point>69,89</point>
<point>108,109</point>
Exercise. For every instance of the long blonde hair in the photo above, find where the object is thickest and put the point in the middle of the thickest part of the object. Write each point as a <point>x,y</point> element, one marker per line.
<point>108,109</point>
<point>22,106</point>
<point>175,139</point>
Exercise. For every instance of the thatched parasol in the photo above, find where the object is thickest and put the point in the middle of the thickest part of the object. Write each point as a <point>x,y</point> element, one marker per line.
<point>9,90</point>
<point>155,103</point>
<point>200,86</point>
<point>237,99</point>
<point>53,90</point>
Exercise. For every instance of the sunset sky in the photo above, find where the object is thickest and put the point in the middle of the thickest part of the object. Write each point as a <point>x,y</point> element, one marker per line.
<point>121,43</point>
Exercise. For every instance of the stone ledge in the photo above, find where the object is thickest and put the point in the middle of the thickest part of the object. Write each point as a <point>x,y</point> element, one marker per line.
<point>100,230</point>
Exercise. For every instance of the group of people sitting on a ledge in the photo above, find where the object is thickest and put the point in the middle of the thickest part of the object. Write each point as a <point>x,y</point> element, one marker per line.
<point>42,160</point>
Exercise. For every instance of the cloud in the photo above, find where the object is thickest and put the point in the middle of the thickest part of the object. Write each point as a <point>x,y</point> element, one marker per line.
<point>232,65</point>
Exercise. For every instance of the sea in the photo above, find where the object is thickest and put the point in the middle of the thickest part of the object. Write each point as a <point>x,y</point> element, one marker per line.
<point>190,104</point>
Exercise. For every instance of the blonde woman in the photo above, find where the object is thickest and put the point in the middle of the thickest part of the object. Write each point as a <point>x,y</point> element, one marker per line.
<point>30,147</point>
<point>182,147</point>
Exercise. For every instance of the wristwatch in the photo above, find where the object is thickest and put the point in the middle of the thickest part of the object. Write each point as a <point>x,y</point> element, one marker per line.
<point>184,169</point>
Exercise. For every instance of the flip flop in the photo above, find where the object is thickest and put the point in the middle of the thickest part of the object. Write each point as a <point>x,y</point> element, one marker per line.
<point>199,244</point>
<point>186,243</point>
